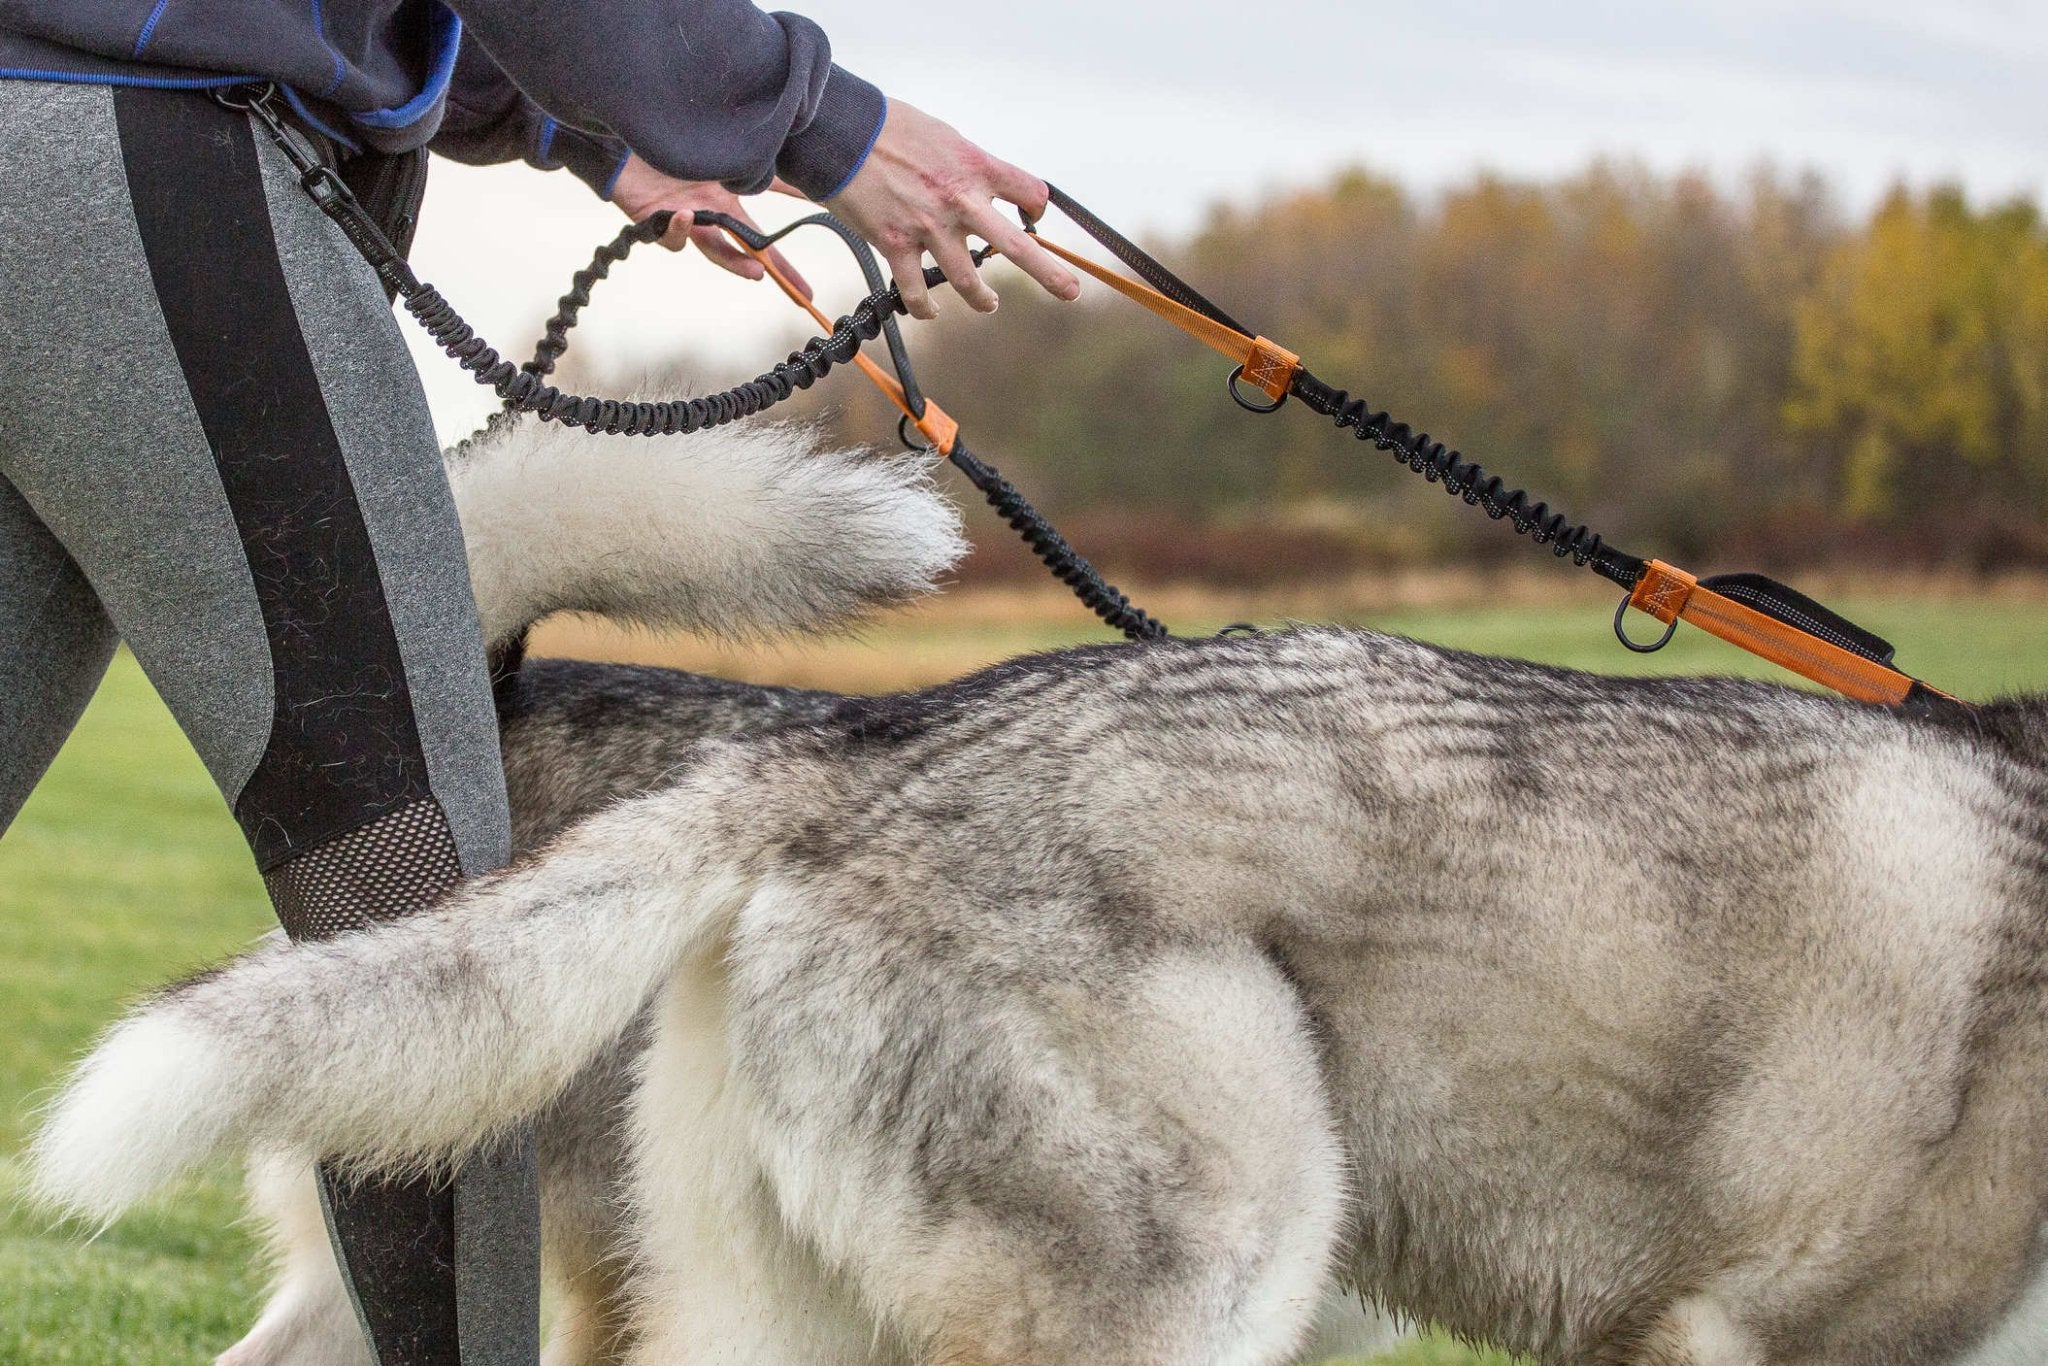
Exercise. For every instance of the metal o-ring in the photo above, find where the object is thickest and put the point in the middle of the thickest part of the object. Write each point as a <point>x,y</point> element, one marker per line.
<point>1621,632</point>
<point>1237,393</point>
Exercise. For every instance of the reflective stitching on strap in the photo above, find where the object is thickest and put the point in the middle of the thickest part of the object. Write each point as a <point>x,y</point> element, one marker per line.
<point>1662,591</point>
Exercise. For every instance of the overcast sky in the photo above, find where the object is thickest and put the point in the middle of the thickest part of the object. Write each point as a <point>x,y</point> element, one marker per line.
<point>1148,112</point>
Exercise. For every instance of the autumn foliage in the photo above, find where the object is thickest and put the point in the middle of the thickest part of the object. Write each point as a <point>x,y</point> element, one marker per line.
<point>1701,373</point>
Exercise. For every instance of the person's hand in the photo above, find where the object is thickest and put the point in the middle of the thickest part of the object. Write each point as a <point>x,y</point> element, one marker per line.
<point>924,188</point>
<point>642,191</point>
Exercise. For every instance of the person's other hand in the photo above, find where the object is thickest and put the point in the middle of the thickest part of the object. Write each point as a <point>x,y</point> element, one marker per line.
<point>641,191</point>
<point>924,188</point>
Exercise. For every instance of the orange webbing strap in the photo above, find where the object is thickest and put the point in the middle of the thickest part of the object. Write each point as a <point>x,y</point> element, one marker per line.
<point>1267,364</point>
<point>936,425</point>
<point>1670,594</point>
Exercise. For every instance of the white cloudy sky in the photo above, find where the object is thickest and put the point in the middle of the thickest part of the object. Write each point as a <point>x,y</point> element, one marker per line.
<point>1147,112</point>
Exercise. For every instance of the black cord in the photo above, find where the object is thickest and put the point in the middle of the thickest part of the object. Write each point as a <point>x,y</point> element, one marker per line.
<point>1066,564</point>
<point>568,312</point>
<point>1462,478</point>
<point>524,389</point>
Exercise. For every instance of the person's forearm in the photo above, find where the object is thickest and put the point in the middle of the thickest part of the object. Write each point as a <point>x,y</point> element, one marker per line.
<point>701,89</point>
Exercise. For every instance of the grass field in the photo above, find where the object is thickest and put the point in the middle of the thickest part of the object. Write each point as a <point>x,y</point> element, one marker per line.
<point>125,871</point>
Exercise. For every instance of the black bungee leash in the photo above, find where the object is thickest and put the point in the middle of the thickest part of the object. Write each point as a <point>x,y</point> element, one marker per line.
<point>524,389</point>
<point>1752,611</point>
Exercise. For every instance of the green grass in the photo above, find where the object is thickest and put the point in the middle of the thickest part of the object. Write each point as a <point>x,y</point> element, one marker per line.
<point>125,871</point>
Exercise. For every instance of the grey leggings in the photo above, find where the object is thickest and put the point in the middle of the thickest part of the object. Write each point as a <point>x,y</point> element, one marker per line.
<point>213,446</point>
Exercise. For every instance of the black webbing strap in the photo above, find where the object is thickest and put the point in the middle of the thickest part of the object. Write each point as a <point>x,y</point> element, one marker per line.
<point>1783,603</point>
<point>1139,260</point>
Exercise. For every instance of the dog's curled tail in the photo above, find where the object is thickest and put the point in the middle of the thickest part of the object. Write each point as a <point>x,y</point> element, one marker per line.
<point>738,531</point>
<point>398,1048</point>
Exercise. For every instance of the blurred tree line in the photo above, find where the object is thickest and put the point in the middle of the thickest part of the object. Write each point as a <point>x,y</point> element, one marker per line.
<point>1706,374</point>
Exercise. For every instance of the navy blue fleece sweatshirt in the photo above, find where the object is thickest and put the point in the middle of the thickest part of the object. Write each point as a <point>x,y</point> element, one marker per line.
<point>701,89</point>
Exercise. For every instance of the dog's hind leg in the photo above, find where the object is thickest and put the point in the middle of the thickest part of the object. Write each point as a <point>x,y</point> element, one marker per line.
<point>1049,1170</point>
<point>309,1319</point>
<point>718,1277</point>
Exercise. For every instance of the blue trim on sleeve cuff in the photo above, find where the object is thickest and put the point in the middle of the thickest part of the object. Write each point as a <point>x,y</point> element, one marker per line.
<point>546,143</point>
<point>149,27</point>
<point>448,39</point>
<point>613,182</point>
<point>865,152</point>
<point>15,73</point>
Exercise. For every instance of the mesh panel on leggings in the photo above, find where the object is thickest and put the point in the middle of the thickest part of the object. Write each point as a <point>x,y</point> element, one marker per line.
<point>391,867</point>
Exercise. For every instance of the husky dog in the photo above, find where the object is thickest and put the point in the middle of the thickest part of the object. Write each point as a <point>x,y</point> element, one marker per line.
<point>736,533</point>
<point>579,737</point>
<point>1111,1006</point>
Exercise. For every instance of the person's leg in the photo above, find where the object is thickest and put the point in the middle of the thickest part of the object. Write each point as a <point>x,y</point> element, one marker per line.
<point>259,505</point>
<point>54,646</point>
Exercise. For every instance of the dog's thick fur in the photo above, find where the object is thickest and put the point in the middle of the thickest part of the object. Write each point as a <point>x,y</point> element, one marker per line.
<point>579,737</point>
<point>1112,1006</point>
<point>737,533</point>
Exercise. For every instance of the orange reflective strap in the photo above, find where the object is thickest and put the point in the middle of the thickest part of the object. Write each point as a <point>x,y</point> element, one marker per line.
<point>1662,591</point>
<point>936,426</point>
<point>1267,364</point>
<point>1668,593</point>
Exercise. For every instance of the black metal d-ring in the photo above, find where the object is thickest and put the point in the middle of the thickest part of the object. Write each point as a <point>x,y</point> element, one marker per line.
<point>1247,404</point>
<point>1621,632</point>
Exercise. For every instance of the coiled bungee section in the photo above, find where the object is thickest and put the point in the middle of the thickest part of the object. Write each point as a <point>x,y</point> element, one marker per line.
<point>1068,565</point>
<point>1467,479</point>
<point>569,308</point>
<point>525,388</point>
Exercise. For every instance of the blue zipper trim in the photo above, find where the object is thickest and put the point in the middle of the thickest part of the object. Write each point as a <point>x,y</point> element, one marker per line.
<point>448,36</point>
<point>149,27</point>
<point>340,66</point>
<point>546,143</point>
<point>291,97</point>
<point>14,73</point>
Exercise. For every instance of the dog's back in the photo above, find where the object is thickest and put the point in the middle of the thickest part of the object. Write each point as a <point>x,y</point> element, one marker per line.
<point>1088,1009</point>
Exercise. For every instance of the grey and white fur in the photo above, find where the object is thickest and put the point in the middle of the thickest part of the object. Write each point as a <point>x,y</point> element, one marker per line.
<point>1117,1005</point>
<point>736,533</point>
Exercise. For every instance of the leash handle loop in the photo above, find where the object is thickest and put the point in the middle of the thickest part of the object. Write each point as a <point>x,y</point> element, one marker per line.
<point>1266,365</point>
<point>938,428</point>
<point>1672,595</point>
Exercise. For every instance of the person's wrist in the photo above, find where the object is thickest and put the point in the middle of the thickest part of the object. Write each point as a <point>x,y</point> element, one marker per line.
<point>829,151</point>
<point>594,160</point>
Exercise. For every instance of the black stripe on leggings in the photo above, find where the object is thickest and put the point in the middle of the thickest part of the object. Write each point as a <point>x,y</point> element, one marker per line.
<point>343,748</point>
